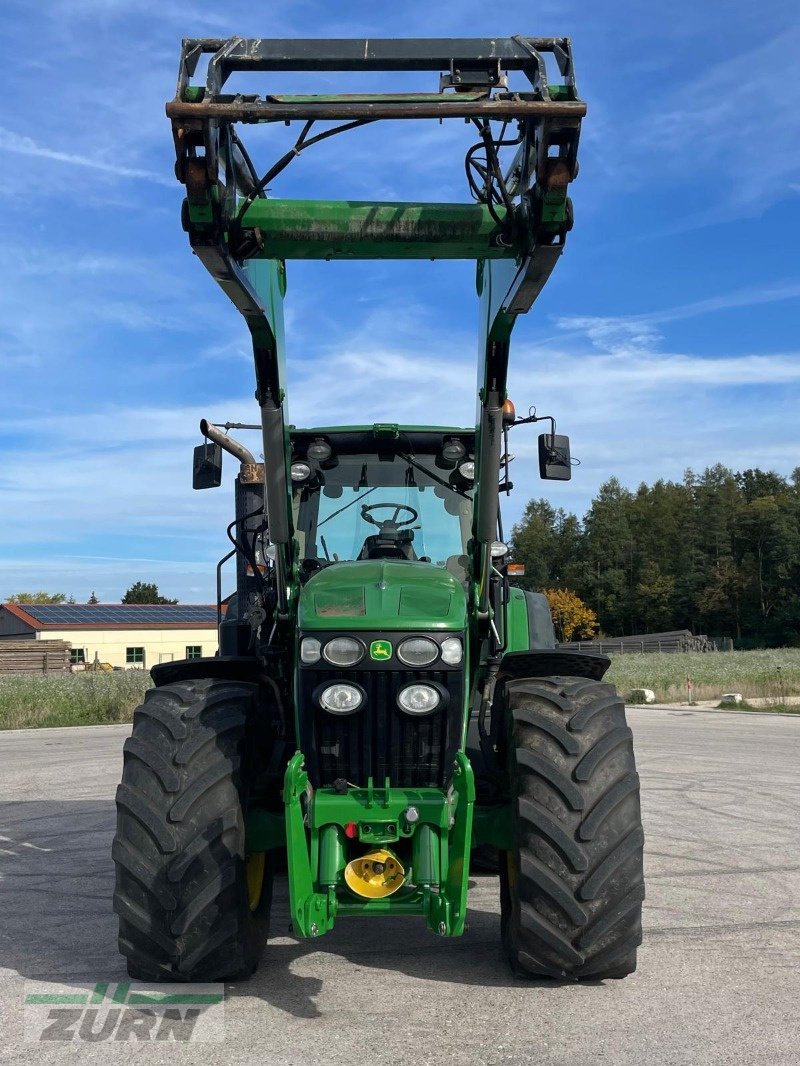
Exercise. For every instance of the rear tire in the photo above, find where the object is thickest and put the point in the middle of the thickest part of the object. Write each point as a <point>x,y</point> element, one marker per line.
<point>182,873</point>
<point>572,888</point>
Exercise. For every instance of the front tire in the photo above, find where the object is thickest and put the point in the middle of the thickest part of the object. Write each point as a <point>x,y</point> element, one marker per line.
<point>192,905</point>
<point>572,888</point>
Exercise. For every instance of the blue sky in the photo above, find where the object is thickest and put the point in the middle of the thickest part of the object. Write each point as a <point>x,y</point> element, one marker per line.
<point>666,339</point>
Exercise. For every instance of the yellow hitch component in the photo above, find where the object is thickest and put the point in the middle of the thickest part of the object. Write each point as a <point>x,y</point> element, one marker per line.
<point>377,874</point>
<point>255,878</point>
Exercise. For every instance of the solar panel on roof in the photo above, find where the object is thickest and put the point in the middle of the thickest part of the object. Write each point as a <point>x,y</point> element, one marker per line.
<point>121,614</point>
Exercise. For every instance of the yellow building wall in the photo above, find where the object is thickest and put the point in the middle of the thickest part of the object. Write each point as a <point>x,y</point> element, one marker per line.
<point>160,645</point>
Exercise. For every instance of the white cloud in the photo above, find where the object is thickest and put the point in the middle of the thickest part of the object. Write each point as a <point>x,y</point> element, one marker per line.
<point>121,475</point>
<point>22,145</point>
<point>737,124</point>
<point>625,333</point>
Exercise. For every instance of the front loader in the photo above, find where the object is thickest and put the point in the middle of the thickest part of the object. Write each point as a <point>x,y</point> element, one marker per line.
<point>385,702</point>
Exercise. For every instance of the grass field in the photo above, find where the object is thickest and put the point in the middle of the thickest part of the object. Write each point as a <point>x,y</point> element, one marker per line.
<point>753,673</point>
<point>28,701</point>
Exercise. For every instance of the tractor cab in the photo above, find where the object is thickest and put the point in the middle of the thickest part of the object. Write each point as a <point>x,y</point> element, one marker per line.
<point>383,493</point>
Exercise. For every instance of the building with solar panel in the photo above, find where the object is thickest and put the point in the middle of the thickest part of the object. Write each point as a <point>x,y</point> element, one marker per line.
<point>127,635</point>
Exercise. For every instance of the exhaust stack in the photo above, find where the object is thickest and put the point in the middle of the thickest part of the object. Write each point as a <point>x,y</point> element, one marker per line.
<point>228,444</point>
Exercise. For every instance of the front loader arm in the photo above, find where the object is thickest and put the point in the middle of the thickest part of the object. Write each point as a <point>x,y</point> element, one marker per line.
<point>515,231</point>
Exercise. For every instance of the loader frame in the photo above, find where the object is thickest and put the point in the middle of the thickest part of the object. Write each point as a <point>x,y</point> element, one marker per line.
<point>243,238</point>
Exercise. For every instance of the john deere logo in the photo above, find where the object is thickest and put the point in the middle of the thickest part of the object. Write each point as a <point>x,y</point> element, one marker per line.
<point>380,649</point>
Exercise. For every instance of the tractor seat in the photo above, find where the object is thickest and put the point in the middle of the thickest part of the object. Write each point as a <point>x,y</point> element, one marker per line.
<point>390,543</point>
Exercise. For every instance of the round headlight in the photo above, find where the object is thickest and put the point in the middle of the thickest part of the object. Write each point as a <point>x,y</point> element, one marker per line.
<point>309,650</point>
<point>418,651</point>
<point>343,651</point>
<point>320,450</point>
<point>418,699</point>
<point>453,450</point>
<point>467,470</point>
<point>452,652</point>
<point>300,471</point>
<point>341,699</point>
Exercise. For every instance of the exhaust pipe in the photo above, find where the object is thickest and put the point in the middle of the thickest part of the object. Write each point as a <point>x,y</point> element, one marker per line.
<point>208,429</point>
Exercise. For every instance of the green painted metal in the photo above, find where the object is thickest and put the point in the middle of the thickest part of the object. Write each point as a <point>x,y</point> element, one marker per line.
<point>425,857</point>
<point>493,825</point>
<point>334,431</point>
<point>332,856</point>
<point>382,594</point>
<point>355,229</point>
<point>316,848</point>
<point>264,830</point>
<point>517,628</point>
<point>309,909</point>
<point>368,98</point>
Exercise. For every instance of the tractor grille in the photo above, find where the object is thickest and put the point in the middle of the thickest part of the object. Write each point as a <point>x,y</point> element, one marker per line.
<point>380,740</point>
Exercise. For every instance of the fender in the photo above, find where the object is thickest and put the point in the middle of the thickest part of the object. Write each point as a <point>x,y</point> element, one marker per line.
<point>553,663</point>
<point>226,667</point>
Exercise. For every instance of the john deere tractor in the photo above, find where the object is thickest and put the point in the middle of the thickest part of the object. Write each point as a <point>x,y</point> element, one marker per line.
<point>386,702</point>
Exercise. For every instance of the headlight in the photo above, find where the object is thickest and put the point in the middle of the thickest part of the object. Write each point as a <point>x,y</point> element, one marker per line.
<point>343,651</point>
<point>309,650</point>
<point>300,471</point>
<point>452,652</point>
<point>341,699</point>
<point>418,699</point>
<point>467,470</point>
<point>418,651</point>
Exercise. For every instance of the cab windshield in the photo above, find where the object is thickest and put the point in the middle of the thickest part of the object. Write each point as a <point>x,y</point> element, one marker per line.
<point>363,506</point>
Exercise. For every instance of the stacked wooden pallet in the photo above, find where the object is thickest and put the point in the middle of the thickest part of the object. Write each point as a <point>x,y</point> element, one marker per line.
<point>673,641</point>
<point>34,656</point>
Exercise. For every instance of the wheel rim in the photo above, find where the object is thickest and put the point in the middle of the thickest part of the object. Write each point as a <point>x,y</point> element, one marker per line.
<point>255,878</point>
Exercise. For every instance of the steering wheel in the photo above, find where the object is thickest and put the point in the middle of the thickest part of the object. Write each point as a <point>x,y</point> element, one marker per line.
<point>398,507</point>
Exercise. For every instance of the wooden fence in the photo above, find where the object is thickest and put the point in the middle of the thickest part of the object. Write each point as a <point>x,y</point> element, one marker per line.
<point>34,656</point>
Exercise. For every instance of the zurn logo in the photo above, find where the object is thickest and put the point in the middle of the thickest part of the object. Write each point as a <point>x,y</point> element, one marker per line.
<point>124,1012</point>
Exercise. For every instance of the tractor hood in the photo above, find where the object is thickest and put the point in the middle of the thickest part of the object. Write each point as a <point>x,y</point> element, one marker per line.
<point>382,594</point>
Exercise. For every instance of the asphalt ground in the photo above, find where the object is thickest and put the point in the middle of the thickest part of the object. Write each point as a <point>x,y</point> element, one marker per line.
<point>718,977</point>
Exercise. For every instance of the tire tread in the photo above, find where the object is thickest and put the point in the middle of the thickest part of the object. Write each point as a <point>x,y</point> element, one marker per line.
<point>179,849</point>
<point>572,896</point>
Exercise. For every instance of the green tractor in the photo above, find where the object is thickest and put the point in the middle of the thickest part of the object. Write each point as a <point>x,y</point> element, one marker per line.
<point>385,703</point>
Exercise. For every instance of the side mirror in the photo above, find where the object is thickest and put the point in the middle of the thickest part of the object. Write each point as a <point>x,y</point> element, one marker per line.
<point>207,466</point>
<point>554,458</point>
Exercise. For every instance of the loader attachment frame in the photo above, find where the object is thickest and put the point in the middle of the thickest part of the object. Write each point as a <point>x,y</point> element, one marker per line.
<point>515,231</point>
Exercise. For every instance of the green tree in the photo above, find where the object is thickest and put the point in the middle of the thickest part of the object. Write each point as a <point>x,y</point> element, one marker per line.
<point>655,591</point>
<point>93,598</point>
<point>548,542</point>
<point>37,597</point>
<point>144,592</point>
<point>720,600</point>
<point>610,556</point>
<point>718,552</point>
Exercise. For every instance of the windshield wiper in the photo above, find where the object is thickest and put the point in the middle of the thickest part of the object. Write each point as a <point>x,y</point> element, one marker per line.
<point>335,513</point>
<point>434,477</point>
